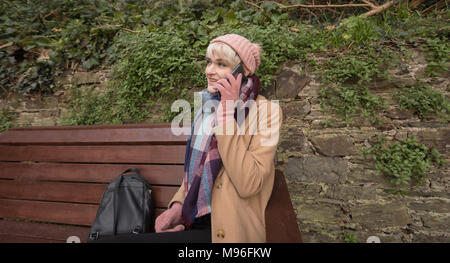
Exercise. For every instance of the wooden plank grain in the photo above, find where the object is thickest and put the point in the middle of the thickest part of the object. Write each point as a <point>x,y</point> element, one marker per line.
<point>13,238</point>
<point>13,231</point>
<point>55,212</point>
<point>52,191</point>
<point>99,173</point>
<point>156,154</point>
<point>98,126</point>
<point>118,135</point>
<point>71,192</point>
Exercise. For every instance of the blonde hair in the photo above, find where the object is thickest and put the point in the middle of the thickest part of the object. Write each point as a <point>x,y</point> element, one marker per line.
<point>223,51</point>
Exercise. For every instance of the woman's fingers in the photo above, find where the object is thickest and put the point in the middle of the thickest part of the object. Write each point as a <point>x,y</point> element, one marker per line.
<point>235,85</point>
<point>224,83</point>
<point>235,82</point>
<point>170,220</point>
<point>161,222</point>
<point>175,229</point>
<point>229,89</point>
<point>218,87</point>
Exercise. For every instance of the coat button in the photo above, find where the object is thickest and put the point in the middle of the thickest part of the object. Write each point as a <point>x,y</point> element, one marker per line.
<point>220,233</point>
<point>219,185</point>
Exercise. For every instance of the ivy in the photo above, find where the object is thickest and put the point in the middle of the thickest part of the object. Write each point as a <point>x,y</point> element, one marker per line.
<point>403,162</point>
<point>77,31</point>
<point>156,48</point>
<point>425,101</point>
<point>351,102</point>
<point>6,118</point>
<point>149,68</point>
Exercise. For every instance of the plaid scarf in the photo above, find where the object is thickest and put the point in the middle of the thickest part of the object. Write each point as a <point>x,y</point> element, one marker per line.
<point>202,160</point>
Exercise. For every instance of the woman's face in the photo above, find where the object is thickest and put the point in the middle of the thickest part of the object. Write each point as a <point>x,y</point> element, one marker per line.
<point>216,69</point>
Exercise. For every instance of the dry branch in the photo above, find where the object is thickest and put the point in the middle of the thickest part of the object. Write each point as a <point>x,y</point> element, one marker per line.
<point>7,45</point>
<point>375,9</point>
<point>255,5</point>
<point>415,3</point>
<point>369,3</point>
<point>320,6</point>
<point>378,9</point>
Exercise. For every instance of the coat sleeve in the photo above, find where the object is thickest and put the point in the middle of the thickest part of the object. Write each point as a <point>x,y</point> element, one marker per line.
<point>248,168</point>
<point>179,196</point>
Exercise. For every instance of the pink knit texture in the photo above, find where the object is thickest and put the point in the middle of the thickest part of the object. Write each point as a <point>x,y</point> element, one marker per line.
<point>247,51</point>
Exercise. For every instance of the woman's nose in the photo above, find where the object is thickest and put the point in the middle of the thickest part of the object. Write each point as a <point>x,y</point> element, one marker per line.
<point>210,69</point>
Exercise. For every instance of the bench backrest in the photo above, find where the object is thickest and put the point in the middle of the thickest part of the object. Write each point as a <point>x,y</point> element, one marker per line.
<point>57,175</point>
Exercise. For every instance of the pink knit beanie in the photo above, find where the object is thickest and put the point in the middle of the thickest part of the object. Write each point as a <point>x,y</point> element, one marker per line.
<point>248,52</point>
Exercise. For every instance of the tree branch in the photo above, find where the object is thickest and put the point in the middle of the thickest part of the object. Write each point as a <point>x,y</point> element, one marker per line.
<point>7,45</point>
<point>374,9</point>
<point>369,3</point>
<point>320,6</point>
<point>255,5</point>
<point>378,9</point>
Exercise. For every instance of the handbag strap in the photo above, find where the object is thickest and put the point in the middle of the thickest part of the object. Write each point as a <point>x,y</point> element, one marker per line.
<point>135,170</point>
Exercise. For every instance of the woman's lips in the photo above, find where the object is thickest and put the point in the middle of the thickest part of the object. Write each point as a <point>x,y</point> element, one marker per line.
<point>212,81</point>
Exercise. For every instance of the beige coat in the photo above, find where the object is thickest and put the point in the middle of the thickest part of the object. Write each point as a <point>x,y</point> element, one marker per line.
<point>244,183</point>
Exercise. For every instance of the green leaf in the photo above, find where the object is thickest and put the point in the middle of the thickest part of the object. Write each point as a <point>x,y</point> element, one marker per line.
<point>230,18</point>
<point>90,63</point>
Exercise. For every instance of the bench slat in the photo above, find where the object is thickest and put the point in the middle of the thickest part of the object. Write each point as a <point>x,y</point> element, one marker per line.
<point>11,231</point>
<point>55,212</point>
<point>51,191</point>
<point>122,135</point>
<point>11,238</point>
<point>99,126</point>
<point>95,154</point>
<point>71,192</point>
<point>99,173</point>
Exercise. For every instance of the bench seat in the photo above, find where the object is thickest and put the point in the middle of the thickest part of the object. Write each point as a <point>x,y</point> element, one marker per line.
<point>52,178</point>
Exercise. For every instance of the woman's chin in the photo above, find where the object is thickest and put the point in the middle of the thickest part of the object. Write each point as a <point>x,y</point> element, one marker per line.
<point>211,90</point>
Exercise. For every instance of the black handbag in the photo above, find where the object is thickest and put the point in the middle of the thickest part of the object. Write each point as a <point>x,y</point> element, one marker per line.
<point>126,207</point>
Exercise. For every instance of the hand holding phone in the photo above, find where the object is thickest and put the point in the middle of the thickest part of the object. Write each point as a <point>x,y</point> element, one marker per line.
<point>229,88</point>
<point>238,69</point>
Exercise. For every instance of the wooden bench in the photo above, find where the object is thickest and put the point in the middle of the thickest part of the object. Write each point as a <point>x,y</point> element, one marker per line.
<point>52,178</point>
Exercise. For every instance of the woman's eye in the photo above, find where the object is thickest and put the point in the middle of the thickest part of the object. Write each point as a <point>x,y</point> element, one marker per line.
<point>222,65</point>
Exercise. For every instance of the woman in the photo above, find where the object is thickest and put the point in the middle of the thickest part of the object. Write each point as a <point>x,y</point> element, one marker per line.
<point>228,176</point>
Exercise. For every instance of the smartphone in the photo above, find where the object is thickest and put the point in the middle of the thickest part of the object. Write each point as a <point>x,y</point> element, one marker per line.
<point>238,69</point>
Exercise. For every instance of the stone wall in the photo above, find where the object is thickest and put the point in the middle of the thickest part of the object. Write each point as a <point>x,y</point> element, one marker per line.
<point>334,190</point>
<point>36,110</point>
